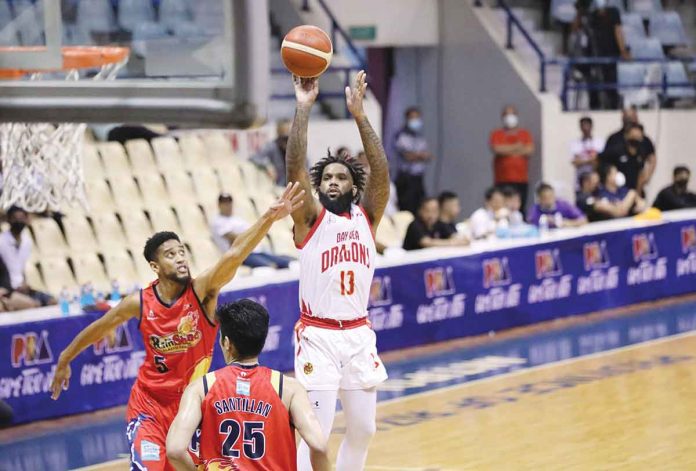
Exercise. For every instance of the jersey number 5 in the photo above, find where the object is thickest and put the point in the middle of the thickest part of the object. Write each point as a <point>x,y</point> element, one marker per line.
<point>160,364</point>
<point>347,282</point>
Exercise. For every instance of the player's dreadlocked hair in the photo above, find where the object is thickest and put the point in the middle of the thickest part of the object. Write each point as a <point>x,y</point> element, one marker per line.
<point>356,172</point>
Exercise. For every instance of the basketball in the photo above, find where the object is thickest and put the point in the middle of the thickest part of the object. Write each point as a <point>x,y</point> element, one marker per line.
<point>306,51</point>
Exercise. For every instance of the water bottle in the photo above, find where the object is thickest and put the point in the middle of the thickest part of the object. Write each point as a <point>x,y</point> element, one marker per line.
<point>64,302</point>
<point>75,305</point>
<point>87,296</point>
<point>543,225</point>
<point>115,292</point>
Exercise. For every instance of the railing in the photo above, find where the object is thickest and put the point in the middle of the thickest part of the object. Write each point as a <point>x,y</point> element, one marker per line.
<point>336,29</point>
<point>663,86</point>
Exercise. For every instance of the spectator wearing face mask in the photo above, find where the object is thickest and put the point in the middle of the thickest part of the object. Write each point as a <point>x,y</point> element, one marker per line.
<point>585,151</point>
<point>413,159</point>
<point>677,195</point>
<point>634,159</point>
<point>271,157</point>
<point>614,199</point>
<point>512,146</point>
<point>558,212</point>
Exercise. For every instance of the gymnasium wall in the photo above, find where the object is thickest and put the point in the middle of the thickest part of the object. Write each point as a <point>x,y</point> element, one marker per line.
<point>461,88</point>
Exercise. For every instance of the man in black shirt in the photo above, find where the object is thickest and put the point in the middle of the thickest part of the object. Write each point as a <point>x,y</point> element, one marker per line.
<point>633,156</point>
<point>607,41</point>
<point>425,231</point>
<point>449,213</point>
<point>616,143</point>
<point>677,195</point>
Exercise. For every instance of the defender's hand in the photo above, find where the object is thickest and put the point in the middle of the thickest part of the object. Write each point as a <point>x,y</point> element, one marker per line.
<point>355,95</point>
<point>306,90</point>
<point>291,200</point>
<point>61,379</point>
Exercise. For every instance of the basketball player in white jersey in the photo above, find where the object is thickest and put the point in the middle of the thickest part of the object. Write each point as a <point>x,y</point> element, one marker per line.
<point>335,352</point>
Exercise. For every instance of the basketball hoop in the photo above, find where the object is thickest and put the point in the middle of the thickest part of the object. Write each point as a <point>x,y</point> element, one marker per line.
<point>42,162</point>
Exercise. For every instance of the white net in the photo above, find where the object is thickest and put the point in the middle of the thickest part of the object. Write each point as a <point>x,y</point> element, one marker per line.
<point>41,162</point>
<point>42,165</point>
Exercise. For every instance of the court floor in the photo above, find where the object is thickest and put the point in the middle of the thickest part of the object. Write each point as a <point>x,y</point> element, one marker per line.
<point>614,391</point>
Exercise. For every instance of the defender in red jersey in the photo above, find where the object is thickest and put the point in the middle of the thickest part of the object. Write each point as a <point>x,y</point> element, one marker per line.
<point>246,413</point>
<point>176,319</point>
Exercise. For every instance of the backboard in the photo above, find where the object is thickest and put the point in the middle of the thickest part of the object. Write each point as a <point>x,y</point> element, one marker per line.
<point>201,63</point>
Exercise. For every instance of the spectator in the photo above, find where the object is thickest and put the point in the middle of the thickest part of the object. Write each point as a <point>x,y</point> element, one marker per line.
<point>512,146</point>
<point>15,251</point>
<point>11,300</point>
<point>677,195</point>
<point>450,208</point>
<point>558,212</point>
<point>392,205</point>
<point>586,196</point>
<point>633,159</point>
<point>271,157</point>
<point>413,157</point>
<point>513,203</point>
<point>614,199</point>
<point>483,221</point>
<point>225,229</point>
<point>606,39</point>
<point>425,232</point>
<point>585,151</point>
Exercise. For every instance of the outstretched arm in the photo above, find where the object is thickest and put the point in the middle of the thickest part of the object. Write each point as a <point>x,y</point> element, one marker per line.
<point>184,426</point>
<point>376,194</point>
<point>307,425</point>
<point>128,308</point>
<point>306,91</point>
<point>212,280</point>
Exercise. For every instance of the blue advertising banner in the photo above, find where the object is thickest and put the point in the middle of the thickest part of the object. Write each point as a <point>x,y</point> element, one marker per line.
<point>411,304</point>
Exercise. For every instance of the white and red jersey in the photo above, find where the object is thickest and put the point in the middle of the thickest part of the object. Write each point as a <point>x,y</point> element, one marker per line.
<point>337,263</point>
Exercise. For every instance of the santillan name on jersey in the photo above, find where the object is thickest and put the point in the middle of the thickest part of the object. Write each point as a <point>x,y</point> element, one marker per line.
<point>242,404</point>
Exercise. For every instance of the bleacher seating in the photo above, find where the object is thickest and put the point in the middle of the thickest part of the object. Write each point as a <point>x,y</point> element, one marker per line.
<point>667,27</point>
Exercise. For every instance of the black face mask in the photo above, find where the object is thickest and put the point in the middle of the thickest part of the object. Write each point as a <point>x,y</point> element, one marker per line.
<point>633,143</point>
<point>681,184</point>
<point>17,227</point>
<point>338,206</point>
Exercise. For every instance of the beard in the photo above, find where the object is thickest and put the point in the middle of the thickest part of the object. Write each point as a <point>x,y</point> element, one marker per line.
<point>339,205</point>
<point>181,279</point>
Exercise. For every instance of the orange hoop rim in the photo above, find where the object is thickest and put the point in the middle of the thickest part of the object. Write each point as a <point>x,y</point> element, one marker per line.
<point>74,57</point>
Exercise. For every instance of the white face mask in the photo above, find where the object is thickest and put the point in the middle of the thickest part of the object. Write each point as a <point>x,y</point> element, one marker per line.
<point>510,121</point>
<point>620,179</point>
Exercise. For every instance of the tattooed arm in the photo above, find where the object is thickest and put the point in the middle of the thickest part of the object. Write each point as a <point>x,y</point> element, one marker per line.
<point>376,194</point>
<point>306,91</point>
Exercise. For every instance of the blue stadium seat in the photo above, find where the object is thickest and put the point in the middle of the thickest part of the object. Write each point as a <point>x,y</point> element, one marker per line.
<point>144,32</point>
<point>637,75</point>
<point>648,48</point>
<point>8,34</point>
<point>132,13</point>
<point>632,27</point>
<point>173,12</point>
<point>188,29</point>
<point>29,22</point>
<point>668,28</point>
<point>631,73</point>
<point>675,74</point>
<point>95,16</point>
<point>645,8</point>
<point>563,10</point>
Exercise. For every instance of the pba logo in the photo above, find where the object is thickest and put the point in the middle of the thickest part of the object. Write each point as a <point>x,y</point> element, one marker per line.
<point>595,255</point>
<point>31,349</point>
<point>547,263</point>
<point>117,340</point>
<point>688,239</point>
<point>496,272</point>
<point>644,247</point>
<point>380,291</point>
<point>438,282</point>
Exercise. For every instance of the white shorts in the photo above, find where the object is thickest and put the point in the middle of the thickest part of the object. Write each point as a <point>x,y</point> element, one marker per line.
<point>329,360</point>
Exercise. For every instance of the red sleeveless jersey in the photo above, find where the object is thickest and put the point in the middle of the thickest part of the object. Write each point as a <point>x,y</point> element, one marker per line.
<point>179,341</point>
<point>245,425</point>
